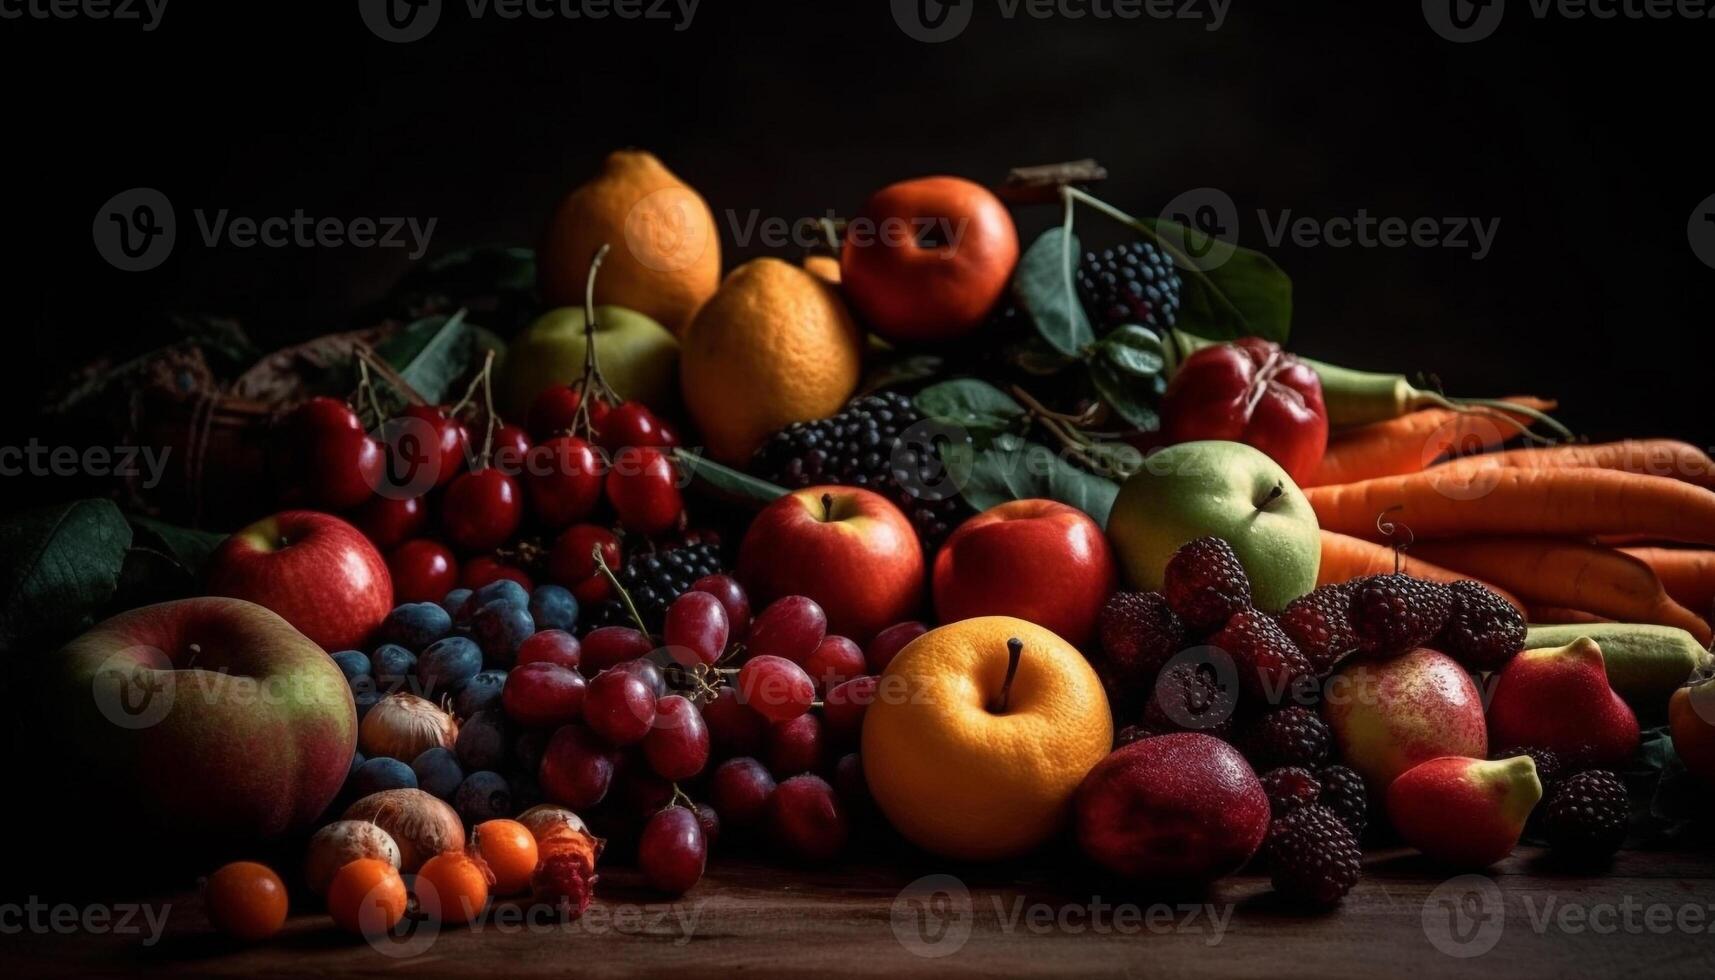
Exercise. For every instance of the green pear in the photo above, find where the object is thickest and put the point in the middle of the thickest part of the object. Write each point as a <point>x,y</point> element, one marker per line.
<point>1227,490</point>
<point>639,358</point>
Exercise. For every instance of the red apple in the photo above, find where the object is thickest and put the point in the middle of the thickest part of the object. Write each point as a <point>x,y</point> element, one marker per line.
<point>850,550</point>
<point>212,715</point>
<point>1038,560</point>
<point>314,569</point>
<point>1388,716</point>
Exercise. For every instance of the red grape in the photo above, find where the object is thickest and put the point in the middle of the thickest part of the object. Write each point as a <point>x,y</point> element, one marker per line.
<point>619,707</point>
<point>733,599</point>
<point>637,790</point>
<point>740,790</point>
<point>678,746</point>
<point>844,706</point>
<point>790,627</point>
<point>672,852</point>
<point>850,783</point>
<point>543,695</point>
<point>644,491</point>
<point>550,647</point>
<point>807,820</point>
<point>834,661</point>
<point>610,646</point>
<point>734,728</point>
<point>711,822</point>
<point>775,688</point>
<point>889,642</point>
<point>795,746</point>
<point>577,768</point>
<point>648,673</point>
<point>695,628</point>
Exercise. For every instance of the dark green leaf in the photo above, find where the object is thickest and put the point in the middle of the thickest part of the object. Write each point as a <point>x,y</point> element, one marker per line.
<point>727,481</point>
<point>149,576</point>
<point>59,566</point>
<point>1045,286</point>
<point>431,354</point>
<point>187,546</point>
<point>1131,397</point>
<point>901,369</point>
<point>1246,295</point>
<point>1134,350</point>
<point>974,405</point>
<point>1017,470</point>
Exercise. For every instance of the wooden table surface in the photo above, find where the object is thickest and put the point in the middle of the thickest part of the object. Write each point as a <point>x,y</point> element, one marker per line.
<point>1650,913</point>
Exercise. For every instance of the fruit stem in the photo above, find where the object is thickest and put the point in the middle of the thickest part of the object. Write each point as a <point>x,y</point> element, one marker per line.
<point>827,507</point>
<point>1275,493</point>
<point>488,406</point>
<point>592,382</point>
<point>601,564</point>
<point>1014,650</point>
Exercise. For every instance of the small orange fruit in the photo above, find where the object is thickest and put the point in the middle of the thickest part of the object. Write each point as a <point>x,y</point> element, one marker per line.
<point>367,897</point>
<point>825,266</point>
<point>452,887</point>
<point>509,850</point>
<point>246,900</point>
<point>1691,720</point>
<point>775,345</point>
<point>975,754</point>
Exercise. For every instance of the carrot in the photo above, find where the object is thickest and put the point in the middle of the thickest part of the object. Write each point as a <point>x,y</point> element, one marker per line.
<point>1688,574</point>
<point>1654,457</point>
<point>1345,558</point>
<point>1554,615</point>
<point>1454,501</point>
<point>1570,575</point>
<point>1414,442</point>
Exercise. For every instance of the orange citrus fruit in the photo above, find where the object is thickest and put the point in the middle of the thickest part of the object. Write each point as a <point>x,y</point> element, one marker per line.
<point>367,897</point>
<point>665,253</point>
<point>509,849</point>
<point>775,345</point>
<point>966,774</point>
<point>452,887</point>
<point>246,900</point>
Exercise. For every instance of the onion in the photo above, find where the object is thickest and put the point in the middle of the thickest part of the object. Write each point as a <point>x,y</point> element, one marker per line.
<point>339,844</point>
<point>402,726</point>
<point>539,819</point>
<point>420,824</point>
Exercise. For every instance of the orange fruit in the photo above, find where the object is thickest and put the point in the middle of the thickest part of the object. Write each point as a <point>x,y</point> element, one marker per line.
<point>825,266</point>
<point>664,258</point>
<point>367,897</point>
<point>775,345</point>
<point>246,900</point>
<point>1691,720</point>
<point>964,775</point>
<point>509,849</point>
<point>452,887</point>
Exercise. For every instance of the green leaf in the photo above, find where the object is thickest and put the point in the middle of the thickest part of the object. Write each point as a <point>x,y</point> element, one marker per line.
<point>1131,397</point>
<point>900,369</point>
<point>1246,295</point>
<point>727,481</point>
<point>431,354</point>
<point>59,566</point>
<point>1015,469</point>
<point>973,405</point>
<point>1134,350</point>
<point>188,547</point>
<point>1045,286</point>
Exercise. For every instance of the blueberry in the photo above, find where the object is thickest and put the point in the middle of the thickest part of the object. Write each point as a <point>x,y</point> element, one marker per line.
<point>447,665</point>
<point>481,691</point>
<point>364,694</point>
<point>394,665</point>
<point>527,751</point>
<point>483,796</point>
<point>503,588</point>
<point>438,772</point>
<point>454,603</point>
<point>415,625</point>
<point>375,775</point>
<point>482,740</point>
<point>500,626</point>
<point>357,759</point>
<point>353,664</point>
<point>554,608</point>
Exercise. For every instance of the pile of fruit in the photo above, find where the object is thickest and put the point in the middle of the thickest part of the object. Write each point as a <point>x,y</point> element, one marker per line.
<point>943,540</point>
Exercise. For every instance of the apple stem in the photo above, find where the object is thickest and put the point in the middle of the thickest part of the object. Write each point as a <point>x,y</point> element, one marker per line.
<point>1014,650</point>
<point>827,507</point>
<point>1274,494</point>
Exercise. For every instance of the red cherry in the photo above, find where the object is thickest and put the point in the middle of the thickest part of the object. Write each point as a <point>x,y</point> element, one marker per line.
<point>510,450</point>
<point>633,425</point>
<point>341,468</point>
<point>556,409</point>
<point>570,564</point>
<point>563,481</point>
<point>450,441</point>
<point>643,490</point>
<point>389,521</point>
<point>482,510</point>
<point>423,571</point>
<point>323,414</point>
<point>480,571</point>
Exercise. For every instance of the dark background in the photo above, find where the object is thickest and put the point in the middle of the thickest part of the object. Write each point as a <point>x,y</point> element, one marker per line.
<point>1592,163</point>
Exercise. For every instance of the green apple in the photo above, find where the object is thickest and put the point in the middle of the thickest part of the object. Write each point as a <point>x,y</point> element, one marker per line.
<point>1228,490</point>
<point>638,356</point>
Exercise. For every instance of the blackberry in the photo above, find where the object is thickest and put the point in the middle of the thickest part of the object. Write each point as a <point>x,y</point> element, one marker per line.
<point>1548,765</point>
<point>1343,792</point>
<point>1134,283</point>
<point>655,578</point>
<point>1289,788</point>
<point>1313,857</point>
<point>1290,736</point>
<point>861,447</point>
<point>1586,816</point>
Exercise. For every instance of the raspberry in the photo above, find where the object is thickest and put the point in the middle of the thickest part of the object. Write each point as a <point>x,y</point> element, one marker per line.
<point>1587,815</point>
<point>1343,792</point>
<point>1483,631</point>
<point>1289,788</point>
<point>1548,765</point>
<point>1205,584</point>
<point>1313,857</point>
<point>1268,663</point>
<point>1290,736</point>
<point>1138,633</point>
<point>1321,624</point>
<point>1189,698</point>
<point>1134,283</point>
<point>1395,613</point>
